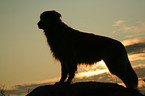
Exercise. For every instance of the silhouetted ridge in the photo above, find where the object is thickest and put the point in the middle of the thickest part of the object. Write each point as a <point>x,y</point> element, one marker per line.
<point>84,89</point>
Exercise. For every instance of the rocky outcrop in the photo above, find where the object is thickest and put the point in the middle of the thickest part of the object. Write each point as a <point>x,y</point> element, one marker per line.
<point>84,89</point>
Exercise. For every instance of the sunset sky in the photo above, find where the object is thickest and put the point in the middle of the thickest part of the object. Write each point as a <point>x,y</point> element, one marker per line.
<point>24,53</point>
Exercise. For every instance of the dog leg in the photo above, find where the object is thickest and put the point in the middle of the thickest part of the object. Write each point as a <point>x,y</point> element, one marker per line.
<point>72,71</point>
<point>130,78</point>
<point>121,67</point>
<point>64,73</point>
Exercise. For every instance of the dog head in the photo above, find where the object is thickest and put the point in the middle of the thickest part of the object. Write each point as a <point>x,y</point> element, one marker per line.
<point>48,18</point>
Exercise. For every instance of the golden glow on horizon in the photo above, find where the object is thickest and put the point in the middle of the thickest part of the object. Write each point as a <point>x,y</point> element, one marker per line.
<point>97,71</point>
<point>91,73</point>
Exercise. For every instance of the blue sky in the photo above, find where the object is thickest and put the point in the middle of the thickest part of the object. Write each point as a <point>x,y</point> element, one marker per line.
<point>24,52</point>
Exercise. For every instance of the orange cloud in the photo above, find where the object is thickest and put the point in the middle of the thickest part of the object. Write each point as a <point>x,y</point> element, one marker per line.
<point>139,66</point>
<point>135,48</point>
<point>137,29</point>
<point>118,23</point>
<point>134,41</point>
<point>134,57</point>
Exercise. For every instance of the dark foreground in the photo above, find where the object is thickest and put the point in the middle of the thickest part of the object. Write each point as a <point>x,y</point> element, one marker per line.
<point>84,89</point>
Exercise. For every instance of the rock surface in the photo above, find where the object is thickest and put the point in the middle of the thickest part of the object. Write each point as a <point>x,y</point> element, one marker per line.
<point>84,89</point>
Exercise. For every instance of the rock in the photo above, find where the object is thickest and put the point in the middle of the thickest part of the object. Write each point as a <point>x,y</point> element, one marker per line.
<point>84,89</point>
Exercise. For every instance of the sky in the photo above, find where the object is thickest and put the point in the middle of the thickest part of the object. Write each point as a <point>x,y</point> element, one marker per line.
<point>25,56</point>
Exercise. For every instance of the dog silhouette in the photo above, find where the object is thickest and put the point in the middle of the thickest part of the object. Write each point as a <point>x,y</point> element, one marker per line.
<point>72,47</point>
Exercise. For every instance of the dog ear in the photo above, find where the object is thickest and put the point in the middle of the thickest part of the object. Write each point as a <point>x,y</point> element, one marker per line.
<point>52,14</point>
<point>56,14</point>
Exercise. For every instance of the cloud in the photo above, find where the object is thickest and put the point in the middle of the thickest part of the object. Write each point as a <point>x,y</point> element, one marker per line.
<point>134,57</point>
<point>137,29</point>
<point>134,41</point>
<point>118,23</point>
<point>108,77</point>
<point>95,69</point>
<point>135,48</point>
<point>140,70</point>
<point>91,73</point>
<point>139,66</point>
<point>23,89</point>
<point>136,35</point>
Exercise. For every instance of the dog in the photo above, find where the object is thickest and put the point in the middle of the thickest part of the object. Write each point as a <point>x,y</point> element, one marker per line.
<point>72,47</point>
